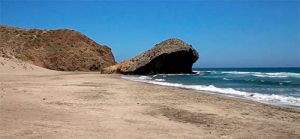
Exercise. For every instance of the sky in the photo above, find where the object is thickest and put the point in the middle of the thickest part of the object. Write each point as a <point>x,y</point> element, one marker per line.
<point>228,33</point>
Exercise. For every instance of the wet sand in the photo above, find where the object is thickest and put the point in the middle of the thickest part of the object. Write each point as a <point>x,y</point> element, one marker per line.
<point>90,105</point>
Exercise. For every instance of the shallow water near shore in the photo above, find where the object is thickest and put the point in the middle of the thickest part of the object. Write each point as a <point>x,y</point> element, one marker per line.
<point>276,86</point>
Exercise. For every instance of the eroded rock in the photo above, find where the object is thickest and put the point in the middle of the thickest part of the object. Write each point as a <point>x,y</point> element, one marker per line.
<point>170,56</point>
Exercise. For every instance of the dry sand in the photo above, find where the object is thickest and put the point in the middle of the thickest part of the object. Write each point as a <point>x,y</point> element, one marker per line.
<point>47,104</point>
<point>16,66</point>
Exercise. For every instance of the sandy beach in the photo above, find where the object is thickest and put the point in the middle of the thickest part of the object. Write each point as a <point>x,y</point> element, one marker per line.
<point>155,69</point>
<point>40,103</point>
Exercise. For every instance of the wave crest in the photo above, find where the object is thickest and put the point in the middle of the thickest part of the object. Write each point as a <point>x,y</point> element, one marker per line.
<point>262,74</point>
<point>263,98</point>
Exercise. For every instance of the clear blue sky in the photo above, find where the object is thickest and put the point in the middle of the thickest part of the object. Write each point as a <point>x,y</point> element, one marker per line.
<point>225,33</point>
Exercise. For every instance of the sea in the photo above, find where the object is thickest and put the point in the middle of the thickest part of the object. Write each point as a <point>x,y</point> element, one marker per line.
<point>275,86</point>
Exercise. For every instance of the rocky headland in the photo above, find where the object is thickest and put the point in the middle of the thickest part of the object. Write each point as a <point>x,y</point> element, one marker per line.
<point>69,50</point>
<point>169,56</point>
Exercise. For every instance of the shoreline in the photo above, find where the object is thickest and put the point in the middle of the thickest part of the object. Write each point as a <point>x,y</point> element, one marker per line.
<point>223,96</point>
<point>268,99</point>
<point>92,105</point>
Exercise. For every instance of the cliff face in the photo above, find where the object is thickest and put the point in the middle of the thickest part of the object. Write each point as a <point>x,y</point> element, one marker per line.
<point>170,56</point>
<point>65,50</point>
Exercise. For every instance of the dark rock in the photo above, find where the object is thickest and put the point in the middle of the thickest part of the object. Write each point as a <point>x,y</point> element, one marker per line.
<point>170,56</point>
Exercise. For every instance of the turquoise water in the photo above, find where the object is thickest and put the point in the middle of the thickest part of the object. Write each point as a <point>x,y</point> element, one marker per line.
<point>278,86</point>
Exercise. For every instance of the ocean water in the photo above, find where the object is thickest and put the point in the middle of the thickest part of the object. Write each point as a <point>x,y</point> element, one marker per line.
<point>276,86</point>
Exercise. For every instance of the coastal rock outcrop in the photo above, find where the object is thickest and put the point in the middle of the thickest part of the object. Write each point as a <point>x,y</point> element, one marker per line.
<point>169,56</point>
<point>63,49</point>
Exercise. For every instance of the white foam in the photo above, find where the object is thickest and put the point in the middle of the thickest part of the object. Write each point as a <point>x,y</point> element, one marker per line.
<point>160,80</point>
<point>227,79</point>
<point>204,72</point>
<point>197,72</point>
<point>145,78</point>
<point>270,74</point>
<point>264,98</point>
<point>238,72</point>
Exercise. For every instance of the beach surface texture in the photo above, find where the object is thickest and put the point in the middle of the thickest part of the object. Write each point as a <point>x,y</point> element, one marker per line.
<point>39,103</point>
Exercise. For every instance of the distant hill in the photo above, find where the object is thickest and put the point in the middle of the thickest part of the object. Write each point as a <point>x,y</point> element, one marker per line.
<point>63,49</point>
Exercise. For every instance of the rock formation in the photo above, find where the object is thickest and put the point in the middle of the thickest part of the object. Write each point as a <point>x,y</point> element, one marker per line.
<point>63,49</point>
<point>170,56</point>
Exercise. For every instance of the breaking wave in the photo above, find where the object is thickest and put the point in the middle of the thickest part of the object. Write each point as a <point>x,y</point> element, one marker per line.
<point>262,74</point>
<point>273,99</point>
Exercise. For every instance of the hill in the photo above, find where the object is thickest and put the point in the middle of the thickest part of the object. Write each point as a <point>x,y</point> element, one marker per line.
<point>63,49</point>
